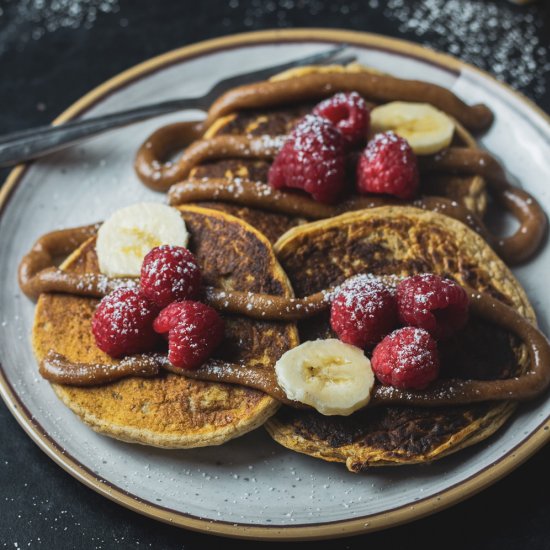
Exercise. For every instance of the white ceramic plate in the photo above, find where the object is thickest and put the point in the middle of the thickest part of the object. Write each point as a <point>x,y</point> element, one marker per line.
<point>250,487</point>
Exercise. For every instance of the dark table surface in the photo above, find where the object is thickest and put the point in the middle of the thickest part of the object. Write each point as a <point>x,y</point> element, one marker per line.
<point>54,51</point>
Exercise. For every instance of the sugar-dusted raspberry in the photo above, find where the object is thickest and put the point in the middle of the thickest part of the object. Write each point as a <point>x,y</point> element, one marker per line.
<point>194,329</point>
<point>389,166</point>
<point>433,303</point>
<point>406,359</point>
<point>312,159</point>
<point>170,273</point>
<point>349,113</point>
<point>123,323</point>
<point>363,311</point>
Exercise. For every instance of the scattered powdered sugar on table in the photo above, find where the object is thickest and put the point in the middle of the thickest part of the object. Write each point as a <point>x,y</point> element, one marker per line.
<point>32,19</point>
<point>494,35</point>
<point>500,39</point>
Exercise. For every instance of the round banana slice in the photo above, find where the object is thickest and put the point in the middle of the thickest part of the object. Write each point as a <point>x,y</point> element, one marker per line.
<point>333,377</point>
<point>427,129</point>
<point>130,233</point>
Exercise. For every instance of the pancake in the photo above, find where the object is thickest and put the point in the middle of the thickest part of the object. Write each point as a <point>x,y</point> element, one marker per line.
<point>467,190</point>
<point>170,410</point>
<point>402,241</point>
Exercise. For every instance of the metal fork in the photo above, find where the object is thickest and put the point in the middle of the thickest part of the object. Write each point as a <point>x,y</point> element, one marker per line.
<point>37,142</point>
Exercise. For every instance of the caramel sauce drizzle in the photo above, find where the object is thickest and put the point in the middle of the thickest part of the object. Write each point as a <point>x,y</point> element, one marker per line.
<point>37,272</point>
<point>261,195</point>
<point>442,392</point>
<point>160,176</point>
<point>150,162</point>
<point>516,248</point>
<point>463,392</point>
<point>59,369</point>
<point>46,250</point>
<point>189,136</point>
<point>533,222</point>
<point>377,88</point>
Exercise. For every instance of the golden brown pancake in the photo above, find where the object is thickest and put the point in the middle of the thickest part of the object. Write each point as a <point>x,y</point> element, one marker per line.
<point>402,241</point>
<point>467,190</point>
<point>171,410</point>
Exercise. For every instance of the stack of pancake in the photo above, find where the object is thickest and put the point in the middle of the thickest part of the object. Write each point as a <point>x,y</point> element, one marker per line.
<point>240,248</point>
<point>469,191</point>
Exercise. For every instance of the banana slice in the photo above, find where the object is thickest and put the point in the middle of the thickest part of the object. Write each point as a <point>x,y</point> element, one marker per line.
<point>427,129</point>
<point>130,233</point>
<point>333,377</point>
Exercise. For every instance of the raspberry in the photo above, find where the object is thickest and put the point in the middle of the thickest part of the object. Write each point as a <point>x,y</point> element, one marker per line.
<point>349,113</point>
<point>433,303</point>
<point>406,359</point>
<point>170,273</point>
<point>312,159</point>
<point>194,329</point>
<point>123,323</point>
<point>168,318</point>
<point>363,310</point>
<point>388,165</point>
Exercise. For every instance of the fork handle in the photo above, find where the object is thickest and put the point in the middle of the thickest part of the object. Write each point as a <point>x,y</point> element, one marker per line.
<point>37,142</point>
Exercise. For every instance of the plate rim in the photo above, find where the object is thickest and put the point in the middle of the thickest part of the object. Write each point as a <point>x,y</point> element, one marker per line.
<point>397,516</point>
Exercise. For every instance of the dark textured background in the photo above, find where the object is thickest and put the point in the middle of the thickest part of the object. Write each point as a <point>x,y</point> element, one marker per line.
<point>51,56</point>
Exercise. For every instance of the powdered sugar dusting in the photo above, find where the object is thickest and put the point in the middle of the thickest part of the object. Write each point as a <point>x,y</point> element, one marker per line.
<point>434,303</point>
<point>384,140</point>
<point>473,31</point>
<point>312,159</point>
<point>170,273</point>
<point>127,310</point>
<point>101,284</point>
<point>310,137</point>
<point>267,143</point>
<point>363,310</point>
<point>407,358</point>
<point>441,392</point>
<point>123,323</point>
<point>412,354</point>
<point>356,282</point>
<point>365,288</point>
<point>176,272</point>
<point>32,19</point>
